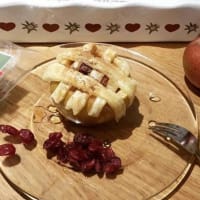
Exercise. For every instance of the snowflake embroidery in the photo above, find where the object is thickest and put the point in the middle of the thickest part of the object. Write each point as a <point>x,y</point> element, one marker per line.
<point>191,28</point>
<point>113,28</point>
<point>152,28</point>
<point>29,26</point>
<point>72,27</point>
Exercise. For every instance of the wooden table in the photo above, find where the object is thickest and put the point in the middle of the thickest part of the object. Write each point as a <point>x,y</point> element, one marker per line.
<point>163,53</point>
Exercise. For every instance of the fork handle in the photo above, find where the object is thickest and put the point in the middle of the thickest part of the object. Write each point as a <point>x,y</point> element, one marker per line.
<point>198,156</point>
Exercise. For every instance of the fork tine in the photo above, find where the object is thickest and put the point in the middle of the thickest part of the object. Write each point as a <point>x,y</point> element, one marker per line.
<point>177,134</point>
<point>172,126</point>
<point>163,131</point>
<point>173,131</point>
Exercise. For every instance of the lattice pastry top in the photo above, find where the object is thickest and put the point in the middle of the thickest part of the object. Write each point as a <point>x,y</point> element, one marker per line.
<point>89,85</point>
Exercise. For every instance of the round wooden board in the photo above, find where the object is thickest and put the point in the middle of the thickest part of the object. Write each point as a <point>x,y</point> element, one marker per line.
<point>152,167</point>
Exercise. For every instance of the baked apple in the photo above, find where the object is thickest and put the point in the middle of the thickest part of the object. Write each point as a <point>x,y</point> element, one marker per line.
<point>89,86</point>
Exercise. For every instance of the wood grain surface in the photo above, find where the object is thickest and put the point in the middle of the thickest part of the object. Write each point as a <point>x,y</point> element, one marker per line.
<point>169,58</point>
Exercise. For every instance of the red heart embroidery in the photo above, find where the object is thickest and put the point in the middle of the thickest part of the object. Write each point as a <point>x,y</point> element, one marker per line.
<point>7,26</point>
<point>172,27</point>
<point>132,27</point>
<point>92,27</point>
<point>50,27</point>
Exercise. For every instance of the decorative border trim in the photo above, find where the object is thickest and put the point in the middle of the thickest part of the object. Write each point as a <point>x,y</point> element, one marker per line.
<point>111,28</point>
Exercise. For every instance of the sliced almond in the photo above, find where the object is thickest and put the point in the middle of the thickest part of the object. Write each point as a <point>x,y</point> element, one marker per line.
<point>109,55</point>
<point>55,119</point>
<point>123,65</point>
<point>122,94</point>
<point>128,89</point>
<point>90,47</point>
<point>96,75</point>
<point>52,109</point>
<point>77,102</point>
<point>76,65</point>
<point>60,92</point>
<point>97,107</point>
<point>65,56</point>
<point>54,72</point>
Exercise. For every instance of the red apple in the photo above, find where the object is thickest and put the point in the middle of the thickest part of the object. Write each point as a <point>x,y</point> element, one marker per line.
<point>191,62</point>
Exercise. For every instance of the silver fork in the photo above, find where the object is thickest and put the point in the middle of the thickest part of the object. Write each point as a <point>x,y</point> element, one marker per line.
<point>179,135</point>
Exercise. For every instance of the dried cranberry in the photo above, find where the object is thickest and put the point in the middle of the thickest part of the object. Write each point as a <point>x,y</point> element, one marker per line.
<point>83,139</point>
<point>85,153</point>
<point>116,161</point>
<point>95,146</point>
<point>112,166</point>
<point>52,145</point>
<point>54,142</point>
<point>85,69</point>
<point>104,80</point>
<point>75,164</point>
<point>62,154</point>
<point>7,150</point>
<point>88,166</point>
<point>107,154</point>
<point>26,136</point>
<point>9,129</point>
<point>55,135</point>
<point>78,154</point>
<point>98,166</point>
